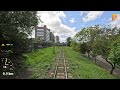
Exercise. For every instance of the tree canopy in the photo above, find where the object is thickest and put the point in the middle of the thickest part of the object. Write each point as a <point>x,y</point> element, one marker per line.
<point>104,41</point>
<point>15,26</point>
<point>68,41</point>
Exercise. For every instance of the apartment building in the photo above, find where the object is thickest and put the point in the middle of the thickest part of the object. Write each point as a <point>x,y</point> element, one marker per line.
<point>43,33</point>
<point>57,39</point>
<point>52,37</point>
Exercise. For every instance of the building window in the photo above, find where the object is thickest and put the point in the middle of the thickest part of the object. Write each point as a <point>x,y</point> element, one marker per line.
<point>40,33</point>
<point>42,30</point>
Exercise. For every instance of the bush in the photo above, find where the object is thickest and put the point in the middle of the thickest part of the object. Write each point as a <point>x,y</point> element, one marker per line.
<point>83,48</point>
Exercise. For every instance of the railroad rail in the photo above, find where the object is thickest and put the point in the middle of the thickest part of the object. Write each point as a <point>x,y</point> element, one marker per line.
<point>61,68</point>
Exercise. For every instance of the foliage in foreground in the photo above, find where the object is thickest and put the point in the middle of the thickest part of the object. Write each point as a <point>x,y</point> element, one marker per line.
<point>15,26</point>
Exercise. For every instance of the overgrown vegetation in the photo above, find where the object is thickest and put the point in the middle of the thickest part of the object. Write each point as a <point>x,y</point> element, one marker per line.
<point>97,40</point>
<point>82,68</point>
<point>15,26</point>
<point>68,41</point>
<point>38,62</point>
<point>114,55</point>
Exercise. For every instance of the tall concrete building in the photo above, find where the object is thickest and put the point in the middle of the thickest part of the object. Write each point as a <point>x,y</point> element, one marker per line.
<point>43,33</point>
<point>52,37</point>
<point>57,39</point>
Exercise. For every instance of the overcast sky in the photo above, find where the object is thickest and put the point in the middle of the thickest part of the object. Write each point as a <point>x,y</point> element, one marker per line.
<point>68,23</point>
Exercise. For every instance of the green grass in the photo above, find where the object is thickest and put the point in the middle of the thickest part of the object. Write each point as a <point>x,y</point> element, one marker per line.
<point>82,68</point>
<point>39,61</point>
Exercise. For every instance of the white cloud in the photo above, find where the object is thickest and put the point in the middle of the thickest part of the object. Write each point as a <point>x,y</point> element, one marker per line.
<point>52,20</point>
<point>61,14</point>
<point>110,19</point>
<point>74,28</point>
<point>115,22</point>
<point>83,12</point>
<point>72,20</point>
<point>92,15</point>
<point>103,19</point>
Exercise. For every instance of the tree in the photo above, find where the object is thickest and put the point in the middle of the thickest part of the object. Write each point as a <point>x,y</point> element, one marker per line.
<point>83,48</point>
<point>114,55</point>
<point>97,41</point>
<point>84,37</point>
<point>68,41</point>
<point>95,50</point>
<point>75,45</point>
<point>38,40</point>
<point>104,46</point>
<point>88,36</point>
<point>15,26</point>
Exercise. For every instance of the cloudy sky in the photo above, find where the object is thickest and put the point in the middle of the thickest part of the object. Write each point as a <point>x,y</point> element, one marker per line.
<point>68,23</point>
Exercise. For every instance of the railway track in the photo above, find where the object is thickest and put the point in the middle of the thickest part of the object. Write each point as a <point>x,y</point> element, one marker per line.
<point>61,69</point>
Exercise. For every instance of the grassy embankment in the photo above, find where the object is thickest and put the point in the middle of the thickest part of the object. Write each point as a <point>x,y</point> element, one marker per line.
<point>38,62</point>
<point>82,68</point>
